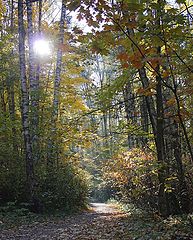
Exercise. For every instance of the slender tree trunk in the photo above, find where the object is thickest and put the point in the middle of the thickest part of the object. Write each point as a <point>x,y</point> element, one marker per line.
<point>34,86</point>
<point>3,102</point>
<point>162,201</point>
<point>38,68</point>
<point>149,100</point>
<point>11,101</point>
<point>59,64</point>
<point>144,121</point>
<point>11,92</point>
<point>52,148</point>
<point>25,104</point>
<point>129,102</point>
<point>183,188</point>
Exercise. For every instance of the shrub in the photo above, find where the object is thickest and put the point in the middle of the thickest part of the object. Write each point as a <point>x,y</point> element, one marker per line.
<point>64,188</point>
<point>132,176</point>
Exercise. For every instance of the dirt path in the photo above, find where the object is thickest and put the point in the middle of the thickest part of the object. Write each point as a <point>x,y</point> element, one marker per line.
<point>102,222</point>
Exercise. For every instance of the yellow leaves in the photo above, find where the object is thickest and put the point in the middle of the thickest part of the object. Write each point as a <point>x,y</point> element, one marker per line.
<point>79,105</point>
<point>166,74</point>
<point>108,38</point>
<point>74,81</point>
<point>171,102</point>
<point>2,9</point>
<point>127,166</point>
<point>149,91</point>
<point>72,101</point>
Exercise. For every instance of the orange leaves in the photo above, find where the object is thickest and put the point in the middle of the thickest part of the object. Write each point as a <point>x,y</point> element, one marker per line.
<point>124,57</point>
<point>135,59</point>
<point>145,91</point>
<point>148,91</point>
<point>108,27</point>
<point>92,23</point>
<point>127,166</point>
<point>125,65</point>
<point>132,25</point>
<point>185,113</point>
<point>154,61</point>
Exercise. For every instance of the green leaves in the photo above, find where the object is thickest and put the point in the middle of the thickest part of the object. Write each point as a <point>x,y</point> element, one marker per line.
<point>180,1</point>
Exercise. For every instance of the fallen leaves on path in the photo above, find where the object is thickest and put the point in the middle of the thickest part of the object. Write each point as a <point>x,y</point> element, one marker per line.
<point>103,222</point>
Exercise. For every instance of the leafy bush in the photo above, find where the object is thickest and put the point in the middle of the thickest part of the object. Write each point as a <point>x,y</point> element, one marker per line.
<point>13,186</point>
<point>132,176</point>
<point>64,188</point>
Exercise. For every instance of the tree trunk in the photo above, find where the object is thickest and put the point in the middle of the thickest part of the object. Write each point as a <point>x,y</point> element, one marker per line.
<point>183,188</point>
<point>129,102</point>
<point>25,104</point>
<point>144,121</point>
<point>10,90</point>
<point>162,201</point>
<point>52,148</point>
<point>59,64</point>
<point>34,86</point>
<point>149,100</point>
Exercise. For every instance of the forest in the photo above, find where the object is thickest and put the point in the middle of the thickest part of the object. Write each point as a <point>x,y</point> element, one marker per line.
<point>96,103</point>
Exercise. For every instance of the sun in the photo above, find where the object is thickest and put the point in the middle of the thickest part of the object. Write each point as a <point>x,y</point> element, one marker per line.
<point>42,47</point>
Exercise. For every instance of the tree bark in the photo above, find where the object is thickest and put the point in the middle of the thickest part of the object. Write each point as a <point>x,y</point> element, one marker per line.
<point>34,86</point>
<point>59,64</point>
<point>129,102</point>
<point>52,148</point>
<point>25,104</point>
<point>144,121</point>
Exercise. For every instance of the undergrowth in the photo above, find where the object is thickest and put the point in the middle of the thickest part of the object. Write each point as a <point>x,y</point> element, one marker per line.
<point>144,225</point>
<point>13,215</point>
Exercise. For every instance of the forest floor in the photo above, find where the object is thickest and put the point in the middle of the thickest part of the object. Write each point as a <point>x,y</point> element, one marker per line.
<point>101,222</point>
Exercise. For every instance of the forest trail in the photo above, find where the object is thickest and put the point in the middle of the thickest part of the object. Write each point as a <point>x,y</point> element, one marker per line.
<point>101,222</point>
